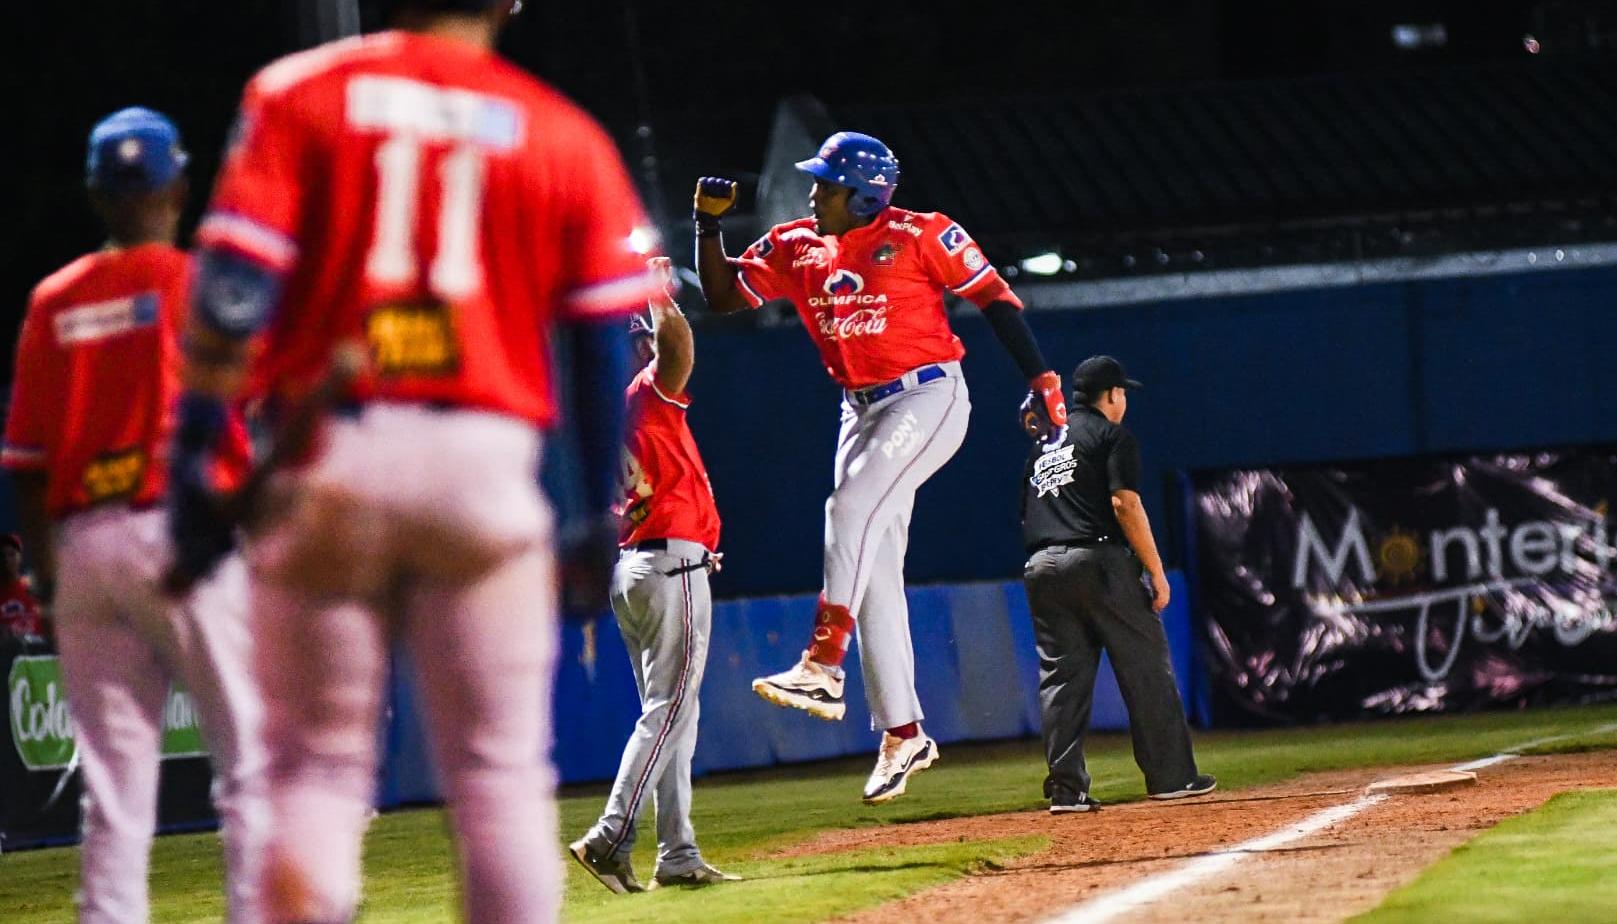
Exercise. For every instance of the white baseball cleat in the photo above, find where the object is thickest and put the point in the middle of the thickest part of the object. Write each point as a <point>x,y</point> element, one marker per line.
<point>900,759</point>
<point>808,686</point>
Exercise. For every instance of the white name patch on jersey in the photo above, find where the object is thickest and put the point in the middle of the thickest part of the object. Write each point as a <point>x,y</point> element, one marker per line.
<point>101,320</point>
<point>400,106</point>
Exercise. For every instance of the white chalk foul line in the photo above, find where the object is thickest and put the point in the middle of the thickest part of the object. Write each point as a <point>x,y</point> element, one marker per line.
<point>1152,888</point>
<point>1148,890</point>
<point>1515,751</point>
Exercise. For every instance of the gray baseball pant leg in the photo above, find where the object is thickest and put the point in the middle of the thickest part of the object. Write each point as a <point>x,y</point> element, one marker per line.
<point>1101,585</point>
<point>665,619</point>
<point>885,452</point>
<point>1069,656</point>
<point>886,651</point>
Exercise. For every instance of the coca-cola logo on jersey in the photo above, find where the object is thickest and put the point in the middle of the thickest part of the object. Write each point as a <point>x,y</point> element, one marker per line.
<point>845,287</point>
<point>862,322</point>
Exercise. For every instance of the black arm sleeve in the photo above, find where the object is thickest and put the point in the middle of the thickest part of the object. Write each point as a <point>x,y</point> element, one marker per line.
<point>1006,320</point>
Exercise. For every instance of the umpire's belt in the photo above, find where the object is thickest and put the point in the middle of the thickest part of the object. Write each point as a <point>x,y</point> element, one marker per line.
<point>1089,543</point>
<point>865,397</point>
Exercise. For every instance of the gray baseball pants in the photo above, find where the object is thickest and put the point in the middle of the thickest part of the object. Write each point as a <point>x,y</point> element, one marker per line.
<point>885,452</point>
<point>665,612</point>
<point>1085,600</point>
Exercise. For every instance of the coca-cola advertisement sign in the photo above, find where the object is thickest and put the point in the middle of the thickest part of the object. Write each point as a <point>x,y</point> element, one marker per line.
<point>1409,585</point>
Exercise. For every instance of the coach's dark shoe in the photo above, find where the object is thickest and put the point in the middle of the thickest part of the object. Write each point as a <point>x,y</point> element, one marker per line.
<point>704,875</point>
<point>1200,786</point>
<point>616,876</point>
<point>1067,802</point>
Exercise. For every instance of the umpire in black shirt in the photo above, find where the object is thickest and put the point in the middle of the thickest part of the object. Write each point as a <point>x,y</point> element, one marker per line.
<point>1088,540</point>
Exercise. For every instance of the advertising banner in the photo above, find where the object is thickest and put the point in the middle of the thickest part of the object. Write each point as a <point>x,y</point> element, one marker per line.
<point>39,786</point>
<point>1408,585</point>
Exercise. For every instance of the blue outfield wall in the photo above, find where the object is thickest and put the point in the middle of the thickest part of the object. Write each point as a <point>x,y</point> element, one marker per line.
<point>976,670</point>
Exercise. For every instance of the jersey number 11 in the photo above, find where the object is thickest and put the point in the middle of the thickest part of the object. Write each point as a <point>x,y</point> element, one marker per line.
<point>455,271</point>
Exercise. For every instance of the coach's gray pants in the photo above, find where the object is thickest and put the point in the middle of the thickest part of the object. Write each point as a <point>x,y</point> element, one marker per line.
<point>885,452</point>
<point>1085,600</point>
<point>665,619</point>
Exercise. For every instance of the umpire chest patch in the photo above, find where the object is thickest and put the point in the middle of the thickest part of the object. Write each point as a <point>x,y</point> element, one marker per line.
<point>1053,470</point>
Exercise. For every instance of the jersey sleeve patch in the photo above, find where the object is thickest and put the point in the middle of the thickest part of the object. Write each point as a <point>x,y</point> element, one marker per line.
<point>954,239</point>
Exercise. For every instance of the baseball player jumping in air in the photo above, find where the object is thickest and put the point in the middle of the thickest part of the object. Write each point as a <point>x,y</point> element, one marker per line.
<point>413,191</point>
<point>868,280</point>
<point>660,594</point>
<point>92,413</point>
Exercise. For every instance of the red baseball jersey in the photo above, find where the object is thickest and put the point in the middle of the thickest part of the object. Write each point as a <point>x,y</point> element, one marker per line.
<point>19,611</point>
<point>667,494</point>
<point>872,299</point>
<point>97,376</point>
<point>433,201</point>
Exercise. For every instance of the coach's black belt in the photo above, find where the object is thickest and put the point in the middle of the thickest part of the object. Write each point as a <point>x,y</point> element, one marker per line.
<point>869,396</point>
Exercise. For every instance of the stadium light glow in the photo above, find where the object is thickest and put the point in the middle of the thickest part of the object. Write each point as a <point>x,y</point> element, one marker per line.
<point>642,240</point>
<point>1044,264</point>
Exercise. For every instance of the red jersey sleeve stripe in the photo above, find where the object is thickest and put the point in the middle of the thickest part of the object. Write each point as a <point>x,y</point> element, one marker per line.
<point>14,456</point>
<point>612,296</point>
<point>682,405</point>
<point>747,291</point>
<point>255,239</point>
<point>977,279</point>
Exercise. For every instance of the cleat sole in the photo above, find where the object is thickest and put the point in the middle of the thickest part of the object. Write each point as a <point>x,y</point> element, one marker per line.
<point>831,712</point>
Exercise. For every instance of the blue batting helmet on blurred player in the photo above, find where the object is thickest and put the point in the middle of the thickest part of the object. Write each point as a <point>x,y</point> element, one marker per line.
<point>860,162</point>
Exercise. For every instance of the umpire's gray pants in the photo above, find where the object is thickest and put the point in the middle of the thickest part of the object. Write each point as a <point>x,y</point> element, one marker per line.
<point>665,612</point>
<point>1085,600</point>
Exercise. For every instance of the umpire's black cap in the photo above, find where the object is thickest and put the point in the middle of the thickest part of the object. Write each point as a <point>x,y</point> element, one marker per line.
<point>1100,373</point>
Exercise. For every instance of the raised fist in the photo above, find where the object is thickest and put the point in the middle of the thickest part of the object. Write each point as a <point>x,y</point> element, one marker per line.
<point>714,196</point>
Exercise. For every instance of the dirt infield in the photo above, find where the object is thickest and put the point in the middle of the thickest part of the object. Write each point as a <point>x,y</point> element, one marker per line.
<point>1340,871</point>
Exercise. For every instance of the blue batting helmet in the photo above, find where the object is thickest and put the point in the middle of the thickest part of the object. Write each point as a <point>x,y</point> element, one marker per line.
<point>861,163</point>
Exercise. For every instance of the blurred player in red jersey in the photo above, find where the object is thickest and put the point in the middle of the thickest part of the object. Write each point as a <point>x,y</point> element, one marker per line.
<point>92,414</point>
<point>19,610</point>
<point>670,537</point>
<point>413,191</point>
<point>868,279</point>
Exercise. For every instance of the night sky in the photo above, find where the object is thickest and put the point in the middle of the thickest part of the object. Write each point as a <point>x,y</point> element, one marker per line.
<point>712,72</point>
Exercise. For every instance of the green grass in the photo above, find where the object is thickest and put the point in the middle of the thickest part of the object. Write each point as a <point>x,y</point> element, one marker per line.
<point>1558,863</point>
<point>741,818</point>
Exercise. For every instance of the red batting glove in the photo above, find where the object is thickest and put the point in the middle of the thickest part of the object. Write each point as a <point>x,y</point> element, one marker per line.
<point>1048,387</point>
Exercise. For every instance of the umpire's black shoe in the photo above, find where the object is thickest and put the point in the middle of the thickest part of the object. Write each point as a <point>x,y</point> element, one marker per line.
<point>1067,802</point>
<point>617,876</point>
<point>1200,786</point>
